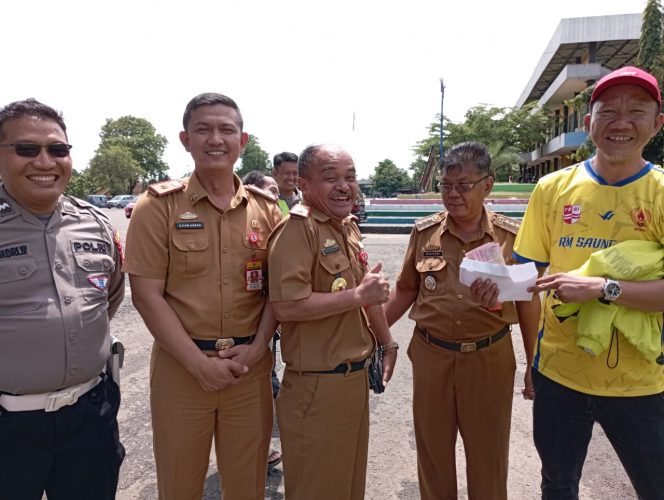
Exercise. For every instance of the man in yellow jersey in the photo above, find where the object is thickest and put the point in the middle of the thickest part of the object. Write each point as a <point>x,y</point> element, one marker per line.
<point>614,196</point>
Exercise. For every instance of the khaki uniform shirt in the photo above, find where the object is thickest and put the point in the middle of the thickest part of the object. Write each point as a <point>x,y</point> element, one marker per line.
<point>307,254</point>
<point>212,262</point>
<point>60,283</point>
<point>448,311</point>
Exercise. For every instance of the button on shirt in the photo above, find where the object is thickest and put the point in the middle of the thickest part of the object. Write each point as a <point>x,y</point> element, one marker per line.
<point>203,255</point>
<point>60,282</point>
<point>307,255</point>
<point>447,310</point>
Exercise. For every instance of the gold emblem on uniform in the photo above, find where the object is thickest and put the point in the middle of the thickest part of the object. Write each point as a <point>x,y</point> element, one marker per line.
<point>339,284</point>
<point>329,243</point>
<point>254,224</point>
<point>188,216</point>
<point>430,283</point>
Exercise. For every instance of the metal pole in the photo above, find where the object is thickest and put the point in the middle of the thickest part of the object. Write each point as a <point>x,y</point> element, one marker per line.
<point>442,99</point>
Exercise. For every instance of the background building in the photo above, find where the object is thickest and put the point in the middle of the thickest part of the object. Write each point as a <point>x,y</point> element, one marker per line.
<point>581,51</point>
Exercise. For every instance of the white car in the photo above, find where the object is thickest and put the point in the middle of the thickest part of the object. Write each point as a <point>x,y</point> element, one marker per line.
<point>120,201</point>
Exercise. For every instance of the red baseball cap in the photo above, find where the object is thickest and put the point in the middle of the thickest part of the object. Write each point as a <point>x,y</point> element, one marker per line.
<point>632,76</point>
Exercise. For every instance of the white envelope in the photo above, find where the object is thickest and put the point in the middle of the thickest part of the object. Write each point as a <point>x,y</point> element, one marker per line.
<point>513,281</point>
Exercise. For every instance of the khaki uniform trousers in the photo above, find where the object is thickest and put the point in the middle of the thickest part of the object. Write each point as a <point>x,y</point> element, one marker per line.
<point>185,418</point>
<point>470,393</point>
<point>324,427</point>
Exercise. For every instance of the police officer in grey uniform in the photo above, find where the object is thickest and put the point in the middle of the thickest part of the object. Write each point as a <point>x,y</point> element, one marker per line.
<point>60,283</point>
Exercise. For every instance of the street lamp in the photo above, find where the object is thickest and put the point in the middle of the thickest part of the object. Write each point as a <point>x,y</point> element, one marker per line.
<point>442,98</point>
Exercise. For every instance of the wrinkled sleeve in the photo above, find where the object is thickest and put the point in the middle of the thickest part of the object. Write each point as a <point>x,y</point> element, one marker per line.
<point>409,277</point>
<point>532,240</point>
<point>147,252</point>
<point>291,260</point>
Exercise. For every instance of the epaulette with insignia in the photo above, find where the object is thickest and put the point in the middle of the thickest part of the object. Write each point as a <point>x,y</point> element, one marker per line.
<point>265,194</point>
<point>428,221</point>
<point>165,187</point>
<point>506,223</point>
<point>300,210</point>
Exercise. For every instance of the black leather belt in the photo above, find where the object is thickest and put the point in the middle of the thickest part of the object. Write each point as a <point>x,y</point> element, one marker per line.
<point>222,344</point>
<point>465,346</point>
<point>355,366</point>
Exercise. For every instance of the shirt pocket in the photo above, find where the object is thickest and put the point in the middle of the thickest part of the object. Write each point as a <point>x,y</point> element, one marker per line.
<point>190,255</point>
<point>334,266</point>
<point>432,275</point>
<point>17,292</point>
<point>94,275</point>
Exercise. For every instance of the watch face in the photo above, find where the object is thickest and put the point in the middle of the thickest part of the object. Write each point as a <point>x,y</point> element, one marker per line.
<point>611,290</point>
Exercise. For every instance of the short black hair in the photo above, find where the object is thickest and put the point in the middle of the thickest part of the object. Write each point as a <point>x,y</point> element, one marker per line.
<point>282,157</point>
<point>210,99</point>
<point>467,153</point>
<point>30,107</point>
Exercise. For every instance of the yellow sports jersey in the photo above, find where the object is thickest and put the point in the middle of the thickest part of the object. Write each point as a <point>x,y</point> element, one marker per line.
<point>572,213</point>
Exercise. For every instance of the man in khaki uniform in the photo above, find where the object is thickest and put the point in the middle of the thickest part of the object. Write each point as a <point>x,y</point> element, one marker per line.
<point>60,284</point>
<point>328,303</point>
<point>461,350</point>
<point>196,255</point>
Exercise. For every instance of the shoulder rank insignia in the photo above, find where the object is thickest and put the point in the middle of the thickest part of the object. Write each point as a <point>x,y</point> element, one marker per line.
<point>300,210</point>
<point>428,221</point>
<point>261,192</point>
<point>5,208</point>
<point>160,189</point>
<point>506,223</point>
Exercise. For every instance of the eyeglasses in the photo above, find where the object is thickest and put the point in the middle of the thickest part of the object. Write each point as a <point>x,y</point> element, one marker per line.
<point>462,187</point>
<point>30,150</point>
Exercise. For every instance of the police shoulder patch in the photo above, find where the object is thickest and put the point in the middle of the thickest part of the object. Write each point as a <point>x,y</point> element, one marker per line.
<point>506,223</point>
<point>428,221</point>
<point>300,210</point>
<point>261,192</point>
<point>163,188</point>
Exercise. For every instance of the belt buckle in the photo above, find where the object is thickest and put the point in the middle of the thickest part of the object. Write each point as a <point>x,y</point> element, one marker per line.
<point>58,399</point>
<point>223,344</point>
<point>468,347</point>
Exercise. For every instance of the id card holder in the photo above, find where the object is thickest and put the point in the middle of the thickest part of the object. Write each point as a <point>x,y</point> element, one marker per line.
<point>254,275</point>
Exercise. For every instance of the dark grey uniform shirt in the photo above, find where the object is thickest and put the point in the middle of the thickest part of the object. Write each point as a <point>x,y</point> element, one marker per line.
<point>60,283</point>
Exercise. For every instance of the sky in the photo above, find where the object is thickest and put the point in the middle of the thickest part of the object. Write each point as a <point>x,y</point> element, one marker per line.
<point>364,74</point>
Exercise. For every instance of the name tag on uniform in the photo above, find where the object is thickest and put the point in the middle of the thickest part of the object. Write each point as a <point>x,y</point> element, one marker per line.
<point>433,253</point>
<point>15,251</point>
<point>189,225</point>
<point>90,246</point>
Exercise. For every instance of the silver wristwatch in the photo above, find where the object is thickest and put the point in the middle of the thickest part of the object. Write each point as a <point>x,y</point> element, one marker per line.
<point>610,291</point>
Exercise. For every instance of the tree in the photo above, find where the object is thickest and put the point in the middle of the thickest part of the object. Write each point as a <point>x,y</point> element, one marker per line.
<point>388,179</point>
<point>505,131</point>
<point>651,58</point>
<point>254,158</point>
<point>115,168</point>
<point>81,184</point>
<point>139,137</point>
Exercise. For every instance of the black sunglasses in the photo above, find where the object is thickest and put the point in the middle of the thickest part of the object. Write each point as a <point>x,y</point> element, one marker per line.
<point>30,150</point>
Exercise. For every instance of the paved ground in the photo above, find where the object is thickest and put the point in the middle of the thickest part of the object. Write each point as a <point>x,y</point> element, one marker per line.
<point>391,471</point>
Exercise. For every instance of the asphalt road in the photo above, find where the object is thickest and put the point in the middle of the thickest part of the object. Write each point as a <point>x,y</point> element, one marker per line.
<point>392,469</point>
